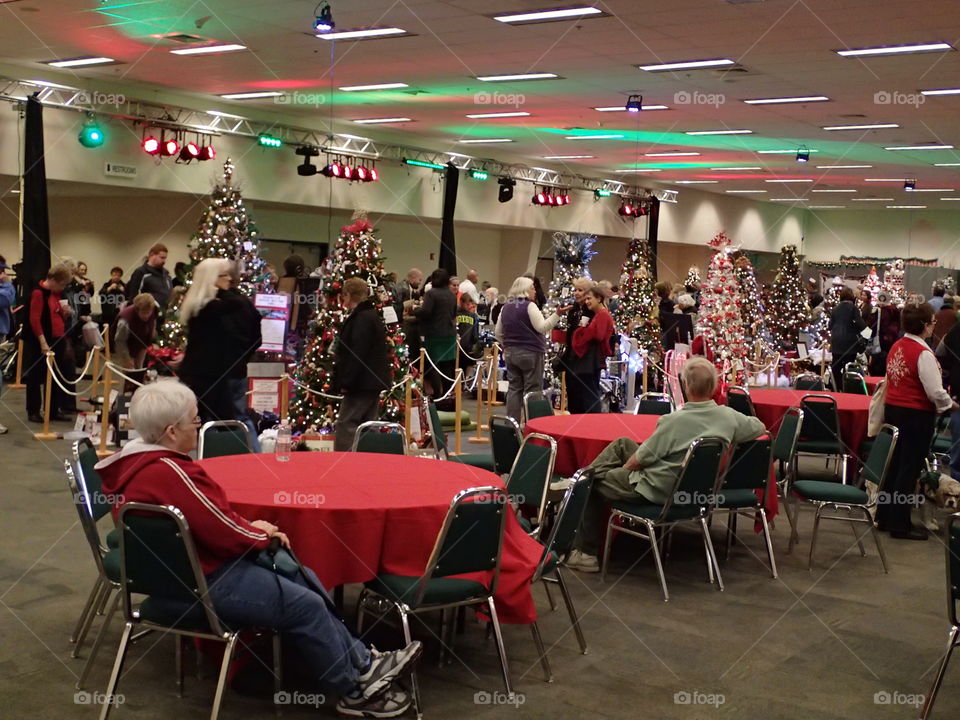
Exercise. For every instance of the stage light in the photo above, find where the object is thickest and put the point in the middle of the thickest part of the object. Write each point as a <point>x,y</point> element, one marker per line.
<point>910,185</point>
<point>323,20</point>
<point>373,176</point>
<point>207,153</point>
<point>334,170</point>
<point>635,103</point>
<point>169,147</point>
<point>540,198</point>
<point>150,145</point>
<point>347,172</point>
<point>803,155</point>
<point>479,175</point>
<point>267,140</point>
<point>424,163</point>
<point>626,209</point>
<point>189,152</point>
<point>91,135</point>
<point>361,173</point>
<point>601,194</point>
<point>505,194</point>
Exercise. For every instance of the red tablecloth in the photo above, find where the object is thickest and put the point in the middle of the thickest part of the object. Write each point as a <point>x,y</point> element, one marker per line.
<point>872,381</point>
<point>771,405</point>
<point>350,516</point>
<point>580,438</point>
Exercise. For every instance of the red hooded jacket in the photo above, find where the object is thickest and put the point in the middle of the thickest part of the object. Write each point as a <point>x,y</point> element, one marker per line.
<point>157,475</point>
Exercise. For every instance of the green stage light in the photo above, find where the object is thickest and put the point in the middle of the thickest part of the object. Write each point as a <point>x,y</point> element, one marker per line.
<point>91,135</point>
<point>424,163</point>
<point>479,175</point>
<point>601,193</point>
<point>269,141</point>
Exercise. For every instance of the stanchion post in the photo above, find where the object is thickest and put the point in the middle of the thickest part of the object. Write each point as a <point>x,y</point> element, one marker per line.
<point>457,423</point>
<point>18,381</point>
<point>105,412</point>
<point>492,381</point>
<point>408,408</point>
<point>645,382</point>
<point>106,343</point>
<point>423,354</point>
<point>95,374</point>
<point>47,392</point>
<point>496,373</point>
<point>479,438</point>
<point>284,397</point>
<point>563,391</point>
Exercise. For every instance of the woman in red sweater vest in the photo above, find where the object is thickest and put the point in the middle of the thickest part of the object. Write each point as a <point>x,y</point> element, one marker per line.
<point>591,345</point>
<point>915,396</point>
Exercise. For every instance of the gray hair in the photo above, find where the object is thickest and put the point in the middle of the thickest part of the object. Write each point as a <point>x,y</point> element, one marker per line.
<point>203,289</point>
<point>158,405</point>
<point>520,288</point>
<point>699,377</point>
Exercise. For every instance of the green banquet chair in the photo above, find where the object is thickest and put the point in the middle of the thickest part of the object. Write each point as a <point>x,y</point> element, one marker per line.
<point>820,431</point>
<point>223,437</point>
<point>377,436</point>
<point>739,399</point>
<point>654,403</point>
<point>535,405</point>
<point>438,438</point>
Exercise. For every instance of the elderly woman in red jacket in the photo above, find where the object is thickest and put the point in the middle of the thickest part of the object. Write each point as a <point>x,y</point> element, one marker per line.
<point>591,347</point>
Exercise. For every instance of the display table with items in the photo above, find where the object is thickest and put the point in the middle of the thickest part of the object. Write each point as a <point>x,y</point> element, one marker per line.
<point>350,516</point>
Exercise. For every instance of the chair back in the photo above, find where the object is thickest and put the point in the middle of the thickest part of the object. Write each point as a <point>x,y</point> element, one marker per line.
<point>86,459</point>
<point>809,381</point>
<point>536,405</point>
<point>376,436</point>
<point>531,472</point>
<point>471,539</point>
<point>785,445</point>
<point>854,383</point>
<point>223,437</point>
<point>654,403</point>
<point>437,435</point>
<point>820,418</point>
<point>855,367</point>
<point>739,399</point>
<point>695,488</point>
<point>505,437</point>
<point>877,465</point>
<point>567,521</point>
<point>79,495</point>
<point>159,559</point>
<point>749,465</point>
<point>953,567</point>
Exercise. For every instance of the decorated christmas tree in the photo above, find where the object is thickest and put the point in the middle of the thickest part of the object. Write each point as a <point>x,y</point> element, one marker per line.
<point>637,312</point>
<point>693,277</point>
<point>893,283</point>
<point>356,254</point>
<point>751,306</point>
<point>225,231</point>
<point>787,309</point>
<point>872,284</point>
<point>572,255</point>
<point>821,326</point>
<point>720,306</point>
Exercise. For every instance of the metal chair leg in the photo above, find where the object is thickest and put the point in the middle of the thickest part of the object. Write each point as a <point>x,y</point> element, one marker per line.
<point>571,611</point>
<point>115,673</point>
<point>553,605</point>
<point>101,635</point>
<point>606,549</point>
<point>941,671</point>
<point>853,526</point>
<point>706,554</point>
<point>769,541</point>
<point>361,614</point>
<point>501,650</point>
<point>544,660</point>
<point>657,561</point>
<point>792,518</point>
<point>813,536</point>
<point>414,685</point>
<point>178,662</point>
<point>876,539</point>
<point>82,620</point>
<point>711,554</point>
<point>222,680</point>
<point>88,621</point>
<point>277,673</point>
<point>729,535</point>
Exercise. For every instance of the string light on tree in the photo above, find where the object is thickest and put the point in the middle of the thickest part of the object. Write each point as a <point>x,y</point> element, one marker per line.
<point>872,283</point>
<point>720,306</point>
<point>751,306</point>
<point>572,254</point>
<point>893,283</point>
<point>787,309</point>
<point>637,313</point>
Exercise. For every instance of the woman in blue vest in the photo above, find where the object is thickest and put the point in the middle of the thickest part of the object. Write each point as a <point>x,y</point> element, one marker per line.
<point>521,331</point>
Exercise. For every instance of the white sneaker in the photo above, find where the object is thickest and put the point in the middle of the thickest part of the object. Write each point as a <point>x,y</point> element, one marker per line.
<point>581,561</point>
<point>562,484</point>
<point>3,429</point>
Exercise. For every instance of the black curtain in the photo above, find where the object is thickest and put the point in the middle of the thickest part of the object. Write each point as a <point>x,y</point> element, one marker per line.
<point>653,230</point>
<point>36,225</point>
<point>448,243</point>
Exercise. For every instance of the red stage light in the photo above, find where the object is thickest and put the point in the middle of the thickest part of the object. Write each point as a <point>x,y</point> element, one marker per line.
<point>168,148</point>
<point>347,172</point>
<point>361,173</point>
<point>150,145</point>
<point>373,175</point>
<point>207,153</point>
<point>627,210</point>
<point>540,199</point>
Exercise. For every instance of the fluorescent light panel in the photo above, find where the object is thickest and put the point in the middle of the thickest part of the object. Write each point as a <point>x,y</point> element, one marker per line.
<point>593,137</point>
<point>906,207</point>
<point>517,113</point>
<point>895,49</point>
<point>518,76</point>
<point>718,132</point>
<point>44,83</point>
<point>842,167</point>
<point>919,147</point>
<point>696,182</point>
<point>916,190</point>
<point>208,49</point>
<point>745,192</point>
<point>367,34</point>
<point>886,179</point>
<point>638,170</point>
<point>782,100</point>
<point>743,167</point>
<point>956,164</point>
<point>378,86</point>
<point>568,157</point>
<point>687,65</point>
<point>790,180</point>
<point>874,126</point>
<point>671,154</point>
<point>793,151</point>
<point>834,191</point>
<point>375,121</point>
<point>80,62</point>
<point>623,108</point>
<point>872,199</point>
<point>479,141</point>
<point>941,91</point>
<point>254,95</point>
<point>548,15</point>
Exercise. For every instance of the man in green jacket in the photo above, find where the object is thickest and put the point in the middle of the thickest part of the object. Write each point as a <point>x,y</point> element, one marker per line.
<point>646,473</point>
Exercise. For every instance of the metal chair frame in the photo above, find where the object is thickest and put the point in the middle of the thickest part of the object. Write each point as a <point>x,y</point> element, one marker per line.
<point>438,438</point>
<point>646,529</point>
<point>842,459</point>
<point>811,377</point>
<point>507,422</point>
<point>742,392</point>
<point>788,464</point>
<point>655,396</point>
<point>376,426</point>
<point>855,377</point>
<point>526,404</point>
<point>541,505</point>
<point>226,425</point>
<point>953,596</point>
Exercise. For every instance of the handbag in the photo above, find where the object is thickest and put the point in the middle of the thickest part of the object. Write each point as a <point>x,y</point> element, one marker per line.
<point>876,411</point>
<point>279,560</point>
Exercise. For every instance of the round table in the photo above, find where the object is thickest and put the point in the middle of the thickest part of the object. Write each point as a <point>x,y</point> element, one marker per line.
<point>350,516</point>
<point>771,405</point>
<point>580,438</point>
<point>872,381</point>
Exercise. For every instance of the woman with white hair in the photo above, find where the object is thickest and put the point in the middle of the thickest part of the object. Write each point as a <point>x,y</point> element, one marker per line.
<point>521,330</point>
<point>207,363</point>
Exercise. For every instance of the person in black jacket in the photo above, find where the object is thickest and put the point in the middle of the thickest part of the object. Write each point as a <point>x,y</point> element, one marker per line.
<point>361,368</point>
<point>438,325</point>
<point>242,325</point>
<point>846,323</point>
<point>152,277</point>
<point>113,294</point>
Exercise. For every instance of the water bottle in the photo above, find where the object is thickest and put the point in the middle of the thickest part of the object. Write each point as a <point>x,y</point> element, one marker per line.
<point>284,441</point>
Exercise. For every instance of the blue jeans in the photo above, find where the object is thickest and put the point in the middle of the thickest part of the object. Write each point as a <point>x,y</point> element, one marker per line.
<point>245,594</point>
<point>955,444</point>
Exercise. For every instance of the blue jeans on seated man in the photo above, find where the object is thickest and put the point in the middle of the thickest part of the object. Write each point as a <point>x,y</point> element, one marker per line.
<point>245,594</point>
<point>955,444</point>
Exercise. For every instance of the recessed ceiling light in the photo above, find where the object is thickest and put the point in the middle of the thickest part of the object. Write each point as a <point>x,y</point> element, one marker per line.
<point>568,157</point>
<point>874,126</point>
<point>919,147</point>
<point>637,170</point>
<point>778,101</point>
<point>895,49</point>
<point>368,34</point>
<point>687,65</point>
<point>44,83</point>
<point>886,179</point>
<point>834,191</point>
<point>956,164</point>
<point>790,180</point>
<point>696,182</point>
<point>941,91</point>
<point>517,113</point>
<point>255,95</point>
<point>744,192</point>
<point>718,132</point>
<point>604,136</point>
<point>788,199</point>
<point>376,121</point>
<point>548,15</point>
<point>378,86</point>
<point>208,49</point>
<point>842,167</point>
<point>678,153</point>
<point>933,190</point>
<point>623,108</point>
<point>953,198</point>
<point>742,167</point>
<point>79,62</point>
<point>872,199</point>
<point>792,151</point>
<point>478,141</point>
<point>906,207</point>
<point>518,76</point>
